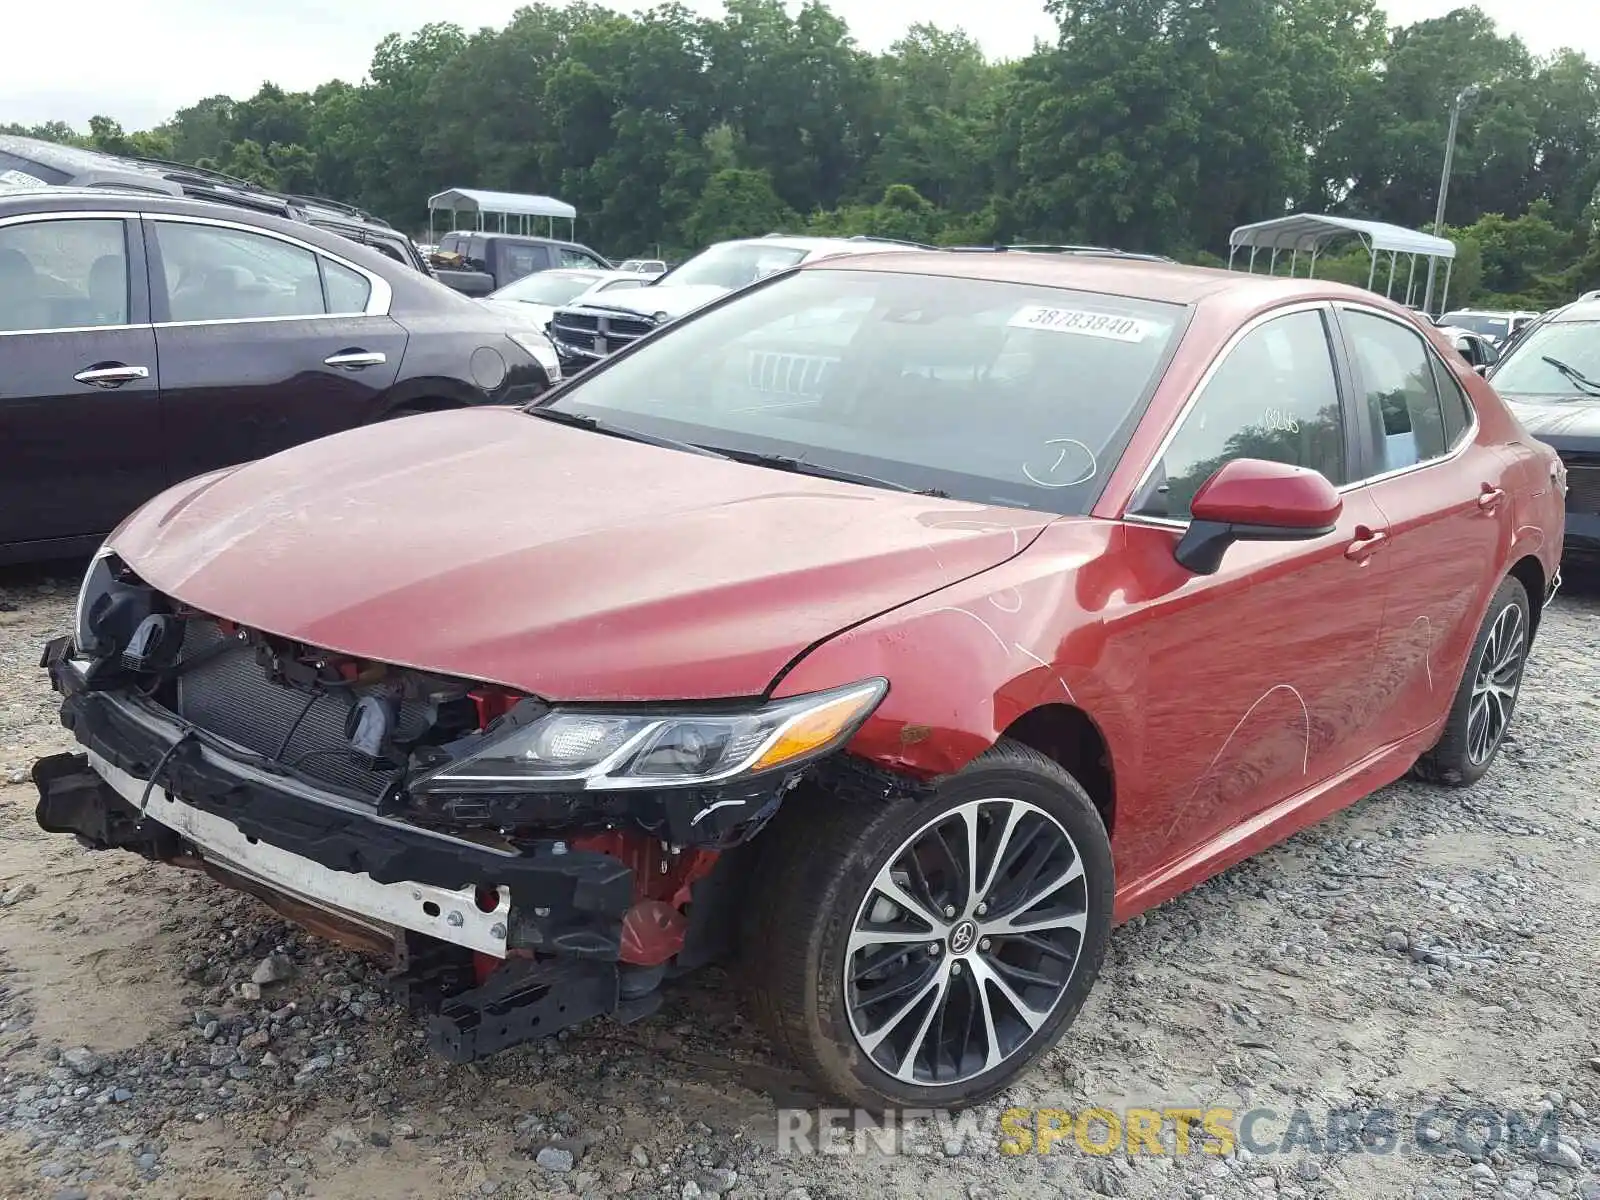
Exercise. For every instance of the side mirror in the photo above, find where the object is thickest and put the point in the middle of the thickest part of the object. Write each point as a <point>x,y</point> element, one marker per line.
<point>1252,500</point>
<point>1482,369</point>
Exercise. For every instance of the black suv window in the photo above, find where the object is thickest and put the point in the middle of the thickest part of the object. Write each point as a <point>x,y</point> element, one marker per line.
<point>214,273</point>
<point>1402,394</point>
<point>523,259</point>
<point>571,256</point>
<point>1274,397</point>
<point>63,274</point>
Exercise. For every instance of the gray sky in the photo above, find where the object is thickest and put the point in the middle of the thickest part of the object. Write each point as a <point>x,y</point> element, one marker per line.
<point>141,60</point>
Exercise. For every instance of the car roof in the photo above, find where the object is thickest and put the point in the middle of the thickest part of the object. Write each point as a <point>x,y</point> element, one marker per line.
<point>1578,310</point>
<point>47,199</point>
<point>98,170</point>
<point>812,245</point>
<point>1134,278</point>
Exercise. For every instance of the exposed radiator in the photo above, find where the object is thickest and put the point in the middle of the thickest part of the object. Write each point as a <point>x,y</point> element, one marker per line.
<point>231,696</point>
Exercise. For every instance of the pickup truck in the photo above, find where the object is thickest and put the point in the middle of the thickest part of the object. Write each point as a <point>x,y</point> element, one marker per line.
<point>476,264</point>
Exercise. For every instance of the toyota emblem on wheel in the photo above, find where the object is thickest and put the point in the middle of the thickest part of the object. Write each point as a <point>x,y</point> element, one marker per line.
<point>962,937</point>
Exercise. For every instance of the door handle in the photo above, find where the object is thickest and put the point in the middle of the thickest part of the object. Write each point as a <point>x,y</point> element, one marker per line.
<point>1491,497</point>
<point>112,376</point>
<point>1367,543</point>
<point>354,360</point>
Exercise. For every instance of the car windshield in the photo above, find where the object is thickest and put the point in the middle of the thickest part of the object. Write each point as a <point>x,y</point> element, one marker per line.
<point>547,287</point>
<point>1480,323</point>
<point>1560,358</point>
<point>734,265</point>
<point>996,393</point>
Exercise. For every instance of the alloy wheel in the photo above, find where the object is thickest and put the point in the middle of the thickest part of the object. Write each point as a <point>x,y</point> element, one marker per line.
<point>1494,688</point>
<point>965,942</point>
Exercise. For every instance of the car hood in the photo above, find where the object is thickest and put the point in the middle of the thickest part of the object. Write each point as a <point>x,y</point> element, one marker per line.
<point>491,545</point>
<point>1557,423</point>
<point>664,298</point>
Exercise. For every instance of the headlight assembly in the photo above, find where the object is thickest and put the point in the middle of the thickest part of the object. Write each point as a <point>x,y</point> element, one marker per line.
<point>567,748</point>
<point>97,581</point>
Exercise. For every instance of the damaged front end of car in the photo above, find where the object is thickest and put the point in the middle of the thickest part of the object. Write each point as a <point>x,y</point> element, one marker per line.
<point>525,865</point>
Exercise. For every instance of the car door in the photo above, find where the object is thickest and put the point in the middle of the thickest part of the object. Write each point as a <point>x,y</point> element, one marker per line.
<point>265,341</point>
<point>1446,510</point>
<point>1260,672</point>
<point>80,428</point>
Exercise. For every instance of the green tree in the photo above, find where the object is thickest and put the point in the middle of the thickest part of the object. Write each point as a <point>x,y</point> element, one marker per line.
<point>737,203</point>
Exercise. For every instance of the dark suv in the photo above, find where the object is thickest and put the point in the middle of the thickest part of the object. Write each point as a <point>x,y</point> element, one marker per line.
<point>481,262</point>
<point>30,162</point>
<point>145,337</point>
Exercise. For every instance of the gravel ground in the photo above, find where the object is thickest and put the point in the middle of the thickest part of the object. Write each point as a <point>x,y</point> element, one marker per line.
<point>1425,951</point>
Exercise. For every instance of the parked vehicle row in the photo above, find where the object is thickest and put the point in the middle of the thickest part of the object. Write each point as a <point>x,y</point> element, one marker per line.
<point>537,297</point>
<point>31,163</point>
<point>896,621</point>
<point>477,264</point>
<point>146,338</point>
<point>1498,326</point>
<point>1551,380</point>
<point>588,329</point>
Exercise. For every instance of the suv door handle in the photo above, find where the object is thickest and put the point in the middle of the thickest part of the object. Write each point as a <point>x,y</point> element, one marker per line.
<point>1367,543</point>
<point>354,360</point>
<point>1491,497</point>
<point>112,375</point>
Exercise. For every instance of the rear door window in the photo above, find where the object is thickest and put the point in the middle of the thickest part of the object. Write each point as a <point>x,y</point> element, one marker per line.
<point>1401,392</point>
<point>213,273</point>
<point>63,274</point>
<point>348,291</point>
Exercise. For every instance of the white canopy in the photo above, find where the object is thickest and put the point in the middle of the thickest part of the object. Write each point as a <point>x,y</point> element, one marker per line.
<point>1306,232</point>
<point>507,212</point>
<point>511,204</point>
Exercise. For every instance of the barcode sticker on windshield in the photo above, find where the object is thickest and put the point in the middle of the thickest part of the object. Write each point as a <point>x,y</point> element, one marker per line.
<point>1082,321</point>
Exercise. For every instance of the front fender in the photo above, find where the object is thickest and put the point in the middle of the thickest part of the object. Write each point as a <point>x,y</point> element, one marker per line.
<point>966,662</point>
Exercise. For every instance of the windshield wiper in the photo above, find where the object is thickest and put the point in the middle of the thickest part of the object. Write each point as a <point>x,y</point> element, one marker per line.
<point>594,425</point>
<point>1572,373</point>
<point>781,462</point>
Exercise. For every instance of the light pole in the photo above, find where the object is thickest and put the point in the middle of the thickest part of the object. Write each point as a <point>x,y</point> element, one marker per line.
<point>1465,96</point>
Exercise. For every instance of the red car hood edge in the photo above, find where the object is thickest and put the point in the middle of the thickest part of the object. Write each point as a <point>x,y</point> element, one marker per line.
<point>488,545</point>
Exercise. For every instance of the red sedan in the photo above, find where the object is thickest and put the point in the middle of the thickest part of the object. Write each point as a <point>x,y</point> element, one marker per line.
<point>899,624</point>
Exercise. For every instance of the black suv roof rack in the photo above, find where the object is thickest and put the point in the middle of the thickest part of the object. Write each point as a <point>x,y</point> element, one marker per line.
<point>175,170</point>
<point>337,206</point>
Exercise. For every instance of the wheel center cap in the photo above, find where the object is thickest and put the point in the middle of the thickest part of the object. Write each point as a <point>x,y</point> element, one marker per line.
<point>963,937</point>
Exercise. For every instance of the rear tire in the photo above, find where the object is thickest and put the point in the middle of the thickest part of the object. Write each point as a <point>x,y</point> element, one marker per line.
<point>1486,699</point>
<point>883,1007</point>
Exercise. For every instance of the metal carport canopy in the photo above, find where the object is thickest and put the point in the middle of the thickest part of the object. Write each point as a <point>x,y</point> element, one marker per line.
<point>515,204</point>
<point>1309,232</point>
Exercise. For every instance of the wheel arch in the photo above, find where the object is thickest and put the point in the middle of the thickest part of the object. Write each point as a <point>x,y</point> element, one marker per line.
<point>1529,572</point>
<point>1073,740</point>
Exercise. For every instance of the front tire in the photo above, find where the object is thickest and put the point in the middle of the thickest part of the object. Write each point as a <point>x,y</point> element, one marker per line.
<point>927,953</point>
<point>1486,699</point>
